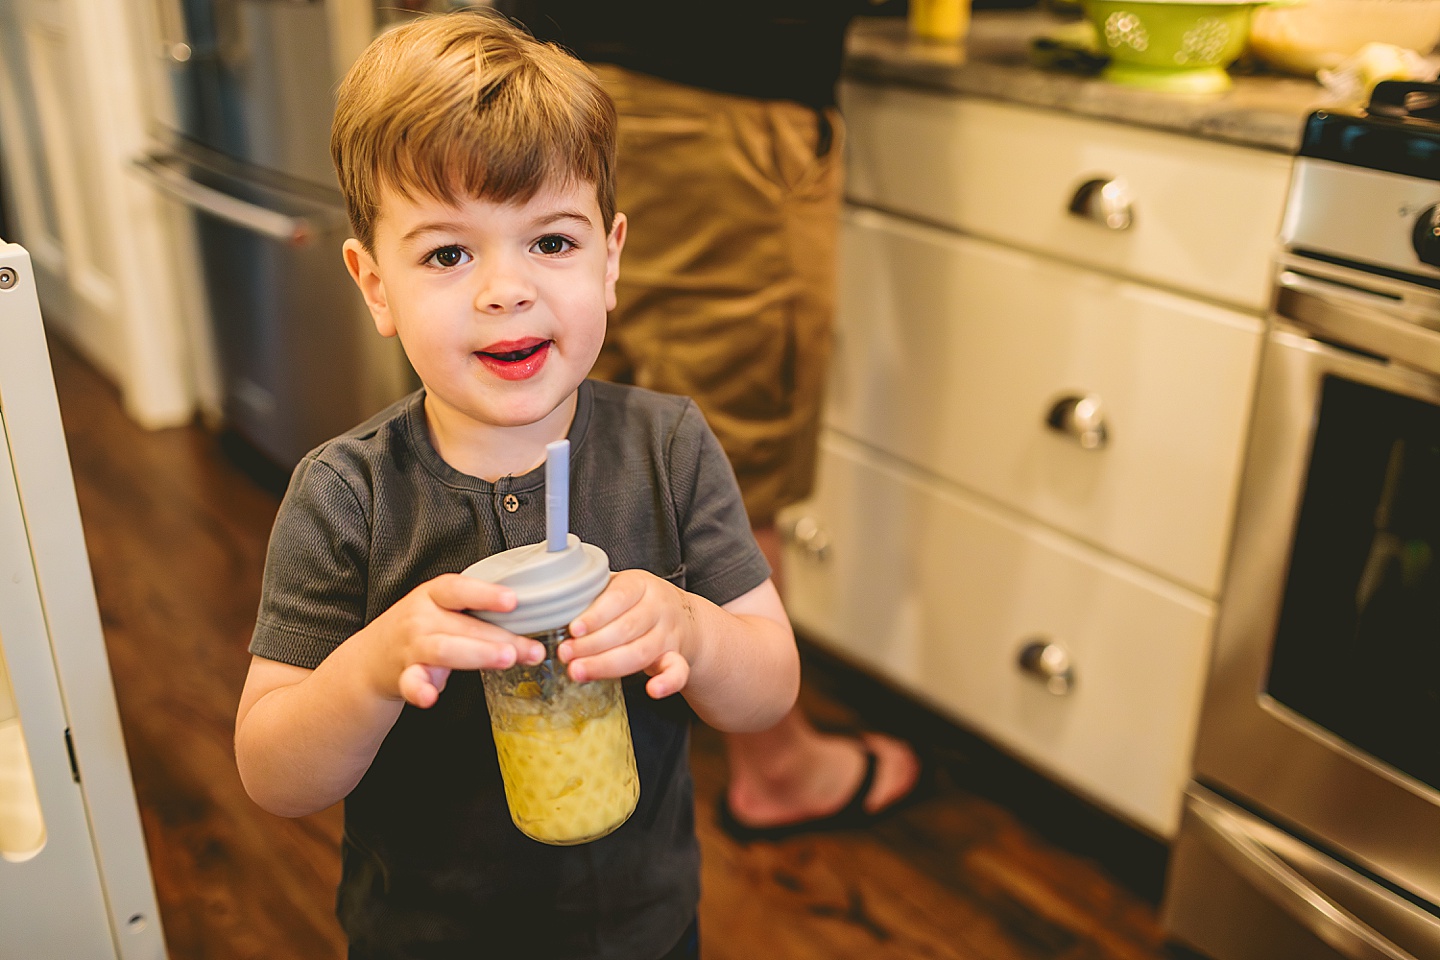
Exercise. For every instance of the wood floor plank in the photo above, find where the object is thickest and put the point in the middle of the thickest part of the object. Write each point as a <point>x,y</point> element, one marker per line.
<point>176,536</point>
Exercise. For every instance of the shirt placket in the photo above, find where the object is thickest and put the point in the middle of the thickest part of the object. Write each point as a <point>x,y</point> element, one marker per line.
<point>514,511</point>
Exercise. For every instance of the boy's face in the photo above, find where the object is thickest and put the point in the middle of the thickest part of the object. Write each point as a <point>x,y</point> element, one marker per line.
<point>500,306</point>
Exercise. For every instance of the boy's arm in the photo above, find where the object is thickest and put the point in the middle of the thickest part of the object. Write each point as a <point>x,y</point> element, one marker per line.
<point>744,667</point>
<point>304,738</point>
<point>736,664</point>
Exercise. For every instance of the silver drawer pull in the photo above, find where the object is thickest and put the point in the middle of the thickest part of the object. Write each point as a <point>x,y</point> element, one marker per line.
<point>1081,417</point>
<point>1106,201</point>
<point>1050,663</point>
<point>807,534</point>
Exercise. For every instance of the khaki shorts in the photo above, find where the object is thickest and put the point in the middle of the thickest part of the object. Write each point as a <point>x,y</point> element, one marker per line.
<point>727,280</point>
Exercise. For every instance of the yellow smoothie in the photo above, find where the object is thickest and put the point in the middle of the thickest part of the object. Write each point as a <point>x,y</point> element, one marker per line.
<point>568,779</point>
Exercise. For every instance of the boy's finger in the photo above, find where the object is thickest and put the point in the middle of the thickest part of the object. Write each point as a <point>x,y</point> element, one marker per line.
<point>618,661</point>
<point>467,653</point>
<point>417,686</point>
<point>622,592</point>
<point>630,623</point>
<point>471,628</point>
<point>468,625</point>
<point>672,672</point>
<point>454,591</point>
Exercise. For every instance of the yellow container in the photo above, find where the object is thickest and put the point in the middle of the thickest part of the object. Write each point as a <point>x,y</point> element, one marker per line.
<point>942,20</point>
<point>566,757</point>
<point>564,749</point>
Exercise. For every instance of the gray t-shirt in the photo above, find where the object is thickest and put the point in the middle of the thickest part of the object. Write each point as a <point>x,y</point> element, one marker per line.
<point>433,866</point>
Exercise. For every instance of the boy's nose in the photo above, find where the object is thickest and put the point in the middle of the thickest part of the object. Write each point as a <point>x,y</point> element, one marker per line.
<point>505,289</point>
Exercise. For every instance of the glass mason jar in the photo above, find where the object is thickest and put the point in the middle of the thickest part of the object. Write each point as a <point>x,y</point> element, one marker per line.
<point>564,748</point>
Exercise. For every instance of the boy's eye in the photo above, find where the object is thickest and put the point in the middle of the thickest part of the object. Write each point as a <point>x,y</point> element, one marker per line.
<point>447,257</point>
<point>553,244</point>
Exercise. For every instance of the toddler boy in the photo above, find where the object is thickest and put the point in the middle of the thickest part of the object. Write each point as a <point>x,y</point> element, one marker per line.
<point>477,167</point>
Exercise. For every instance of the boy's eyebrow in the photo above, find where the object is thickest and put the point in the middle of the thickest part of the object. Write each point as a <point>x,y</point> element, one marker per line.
<point>558,215</point>
<point>436,226</point>
<point>450,226</point>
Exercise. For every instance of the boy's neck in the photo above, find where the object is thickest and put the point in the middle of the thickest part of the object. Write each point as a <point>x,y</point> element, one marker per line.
<point>491,452</point>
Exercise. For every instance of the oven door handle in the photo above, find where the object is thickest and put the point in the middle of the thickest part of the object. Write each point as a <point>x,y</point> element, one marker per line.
<point>1290,891</point>
<point>295,231</point>
<point>1403,328</point>
<point>1324,301</point>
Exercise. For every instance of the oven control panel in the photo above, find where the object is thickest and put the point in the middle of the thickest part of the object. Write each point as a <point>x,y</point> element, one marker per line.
<point>1365,190</point>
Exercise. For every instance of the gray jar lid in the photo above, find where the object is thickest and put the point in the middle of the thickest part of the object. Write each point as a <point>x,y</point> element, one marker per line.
<point>551,587</point>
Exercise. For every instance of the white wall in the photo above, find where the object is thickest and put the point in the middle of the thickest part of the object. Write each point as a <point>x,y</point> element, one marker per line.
<point>77,88</point>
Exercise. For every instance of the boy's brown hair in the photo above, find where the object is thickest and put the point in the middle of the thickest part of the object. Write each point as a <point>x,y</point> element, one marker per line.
<point>468,105</point>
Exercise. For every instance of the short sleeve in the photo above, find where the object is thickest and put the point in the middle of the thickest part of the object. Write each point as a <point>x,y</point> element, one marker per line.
<point>314,592</point>
<point>722,559</point>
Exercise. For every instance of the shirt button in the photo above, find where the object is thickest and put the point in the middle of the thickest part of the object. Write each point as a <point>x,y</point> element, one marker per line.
<point>511,502</point>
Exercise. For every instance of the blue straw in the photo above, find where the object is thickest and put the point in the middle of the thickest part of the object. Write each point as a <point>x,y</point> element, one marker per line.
<point>557,494</point>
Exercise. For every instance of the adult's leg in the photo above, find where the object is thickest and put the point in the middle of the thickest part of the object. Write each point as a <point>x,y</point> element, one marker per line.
<point>794,773</point>
<point>726,294</point>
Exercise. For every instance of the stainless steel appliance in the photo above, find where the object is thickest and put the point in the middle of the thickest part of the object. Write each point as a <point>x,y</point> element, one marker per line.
<point>1312,826</point>
<point>254,83</point>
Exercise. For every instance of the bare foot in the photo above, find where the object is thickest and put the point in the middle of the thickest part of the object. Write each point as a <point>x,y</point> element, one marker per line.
<point>820,780</point>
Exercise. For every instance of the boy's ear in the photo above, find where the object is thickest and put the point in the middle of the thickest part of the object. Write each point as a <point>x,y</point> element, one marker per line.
<point>366,274</point>
<point>613,245</point>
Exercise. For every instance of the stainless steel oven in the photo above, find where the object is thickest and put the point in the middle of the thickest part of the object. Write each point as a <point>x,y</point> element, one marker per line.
<point>1312,826</point>
<point>248,151</point>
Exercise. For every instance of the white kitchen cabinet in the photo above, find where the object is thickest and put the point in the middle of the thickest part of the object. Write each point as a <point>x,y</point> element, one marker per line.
<point>1034,427</point>
<point>1204,214</point>
<point>942,593</point>
<point>953,352</point>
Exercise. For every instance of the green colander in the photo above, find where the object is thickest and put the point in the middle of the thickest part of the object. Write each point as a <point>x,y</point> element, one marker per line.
<point>1168,46</point>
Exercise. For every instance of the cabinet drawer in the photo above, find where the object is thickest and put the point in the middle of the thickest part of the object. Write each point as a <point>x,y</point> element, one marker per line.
<point>939,594</point>
<point>952,353</point>
<point>1205,214</point>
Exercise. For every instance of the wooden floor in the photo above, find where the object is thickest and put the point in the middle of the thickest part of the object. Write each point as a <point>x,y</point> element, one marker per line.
<point>994,863</point>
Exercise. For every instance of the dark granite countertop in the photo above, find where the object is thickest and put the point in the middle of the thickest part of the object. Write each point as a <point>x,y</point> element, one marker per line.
<point>1263,111</point>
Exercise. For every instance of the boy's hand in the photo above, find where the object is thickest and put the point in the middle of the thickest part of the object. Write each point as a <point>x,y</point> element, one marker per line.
<point>427,633</point>
<point>639,622</point>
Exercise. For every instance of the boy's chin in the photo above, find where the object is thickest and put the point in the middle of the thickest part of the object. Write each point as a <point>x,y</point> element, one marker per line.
<point>532,413</point>
<point>501,413</point>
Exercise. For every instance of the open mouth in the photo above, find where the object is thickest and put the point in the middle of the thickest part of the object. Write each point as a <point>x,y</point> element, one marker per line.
<point>515,360</point>
<point>516,356</point>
